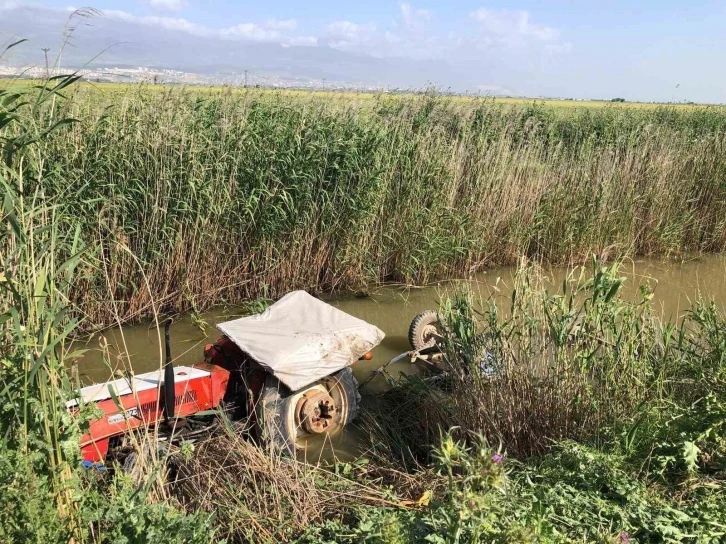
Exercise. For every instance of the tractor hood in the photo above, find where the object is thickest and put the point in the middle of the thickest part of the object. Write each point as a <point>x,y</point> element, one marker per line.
<point>301,339</point>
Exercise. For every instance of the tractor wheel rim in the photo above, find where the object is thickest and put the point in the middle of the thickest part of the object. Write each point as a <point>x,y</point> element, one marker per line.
<point>316,412</point>
<point>329,387</point>
<point>429,333</point>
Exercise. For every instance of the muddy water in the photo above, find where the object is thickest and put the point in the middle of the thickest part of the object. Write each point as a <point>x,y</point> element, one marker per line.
<point>392,309</point>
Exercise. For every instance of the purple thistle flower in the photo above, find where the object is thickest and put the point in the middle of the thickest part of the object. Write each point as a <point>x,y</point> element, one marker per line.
<point>497,458</point>
<point>624,538</point>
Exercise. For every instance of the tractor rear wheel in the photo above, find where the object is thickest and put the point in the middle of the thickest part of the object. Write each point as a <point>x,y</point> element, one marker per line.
<point>289,419</point>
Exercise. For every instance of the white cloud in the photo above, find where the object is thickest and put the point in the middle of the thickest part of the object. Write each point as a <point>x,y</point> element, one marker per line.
<point>415,34</point>
<point>347,35</point>
<point>169,23</point>
<point>303,41</point>
<point>250,31</point>
<point>499,37</point>
<point>169,5</point>
<point>272,31</point>
<point>412,36</point>
<point>512,27</point>
<point>414,18</point>
<point>406,36</point>
<point>350,31</point>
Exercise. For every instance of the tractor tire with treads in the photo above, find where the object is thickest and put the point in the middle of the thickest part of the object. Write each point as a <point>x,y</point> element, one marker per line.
<point>423,329</point>
<point>139,462</point>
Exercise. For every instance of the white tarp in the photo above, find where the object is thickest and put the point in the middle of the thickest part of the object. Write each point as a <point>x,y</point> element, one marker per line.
<point>301,339</point>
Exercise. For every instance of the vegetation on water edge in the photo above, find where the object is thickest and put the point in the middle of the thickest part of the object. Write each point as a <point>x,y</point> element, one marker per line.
<point>603,423</point>
<point>196,198</point>
<point>612,420</point>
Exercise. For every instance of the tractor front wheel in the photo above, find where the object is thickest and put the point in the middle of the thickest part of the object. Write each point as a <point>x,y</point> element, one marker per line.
<point>425,330</point>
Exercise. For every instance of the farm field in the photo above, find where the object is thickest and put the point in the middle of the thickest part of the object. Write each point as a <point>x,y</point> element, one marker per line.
<point>361,96</point>
<point>604,421</point>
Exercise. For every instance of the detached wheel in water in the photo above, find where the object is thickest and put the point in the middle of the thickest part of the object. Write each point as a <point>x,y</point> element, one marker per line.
<point>291,419</point>
<point>425,330</point>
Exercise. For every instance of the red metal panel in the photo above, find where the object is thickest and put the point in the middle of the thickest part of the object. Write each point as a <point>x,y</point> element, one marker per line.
<point>95,452</point>
<point>144,409</point>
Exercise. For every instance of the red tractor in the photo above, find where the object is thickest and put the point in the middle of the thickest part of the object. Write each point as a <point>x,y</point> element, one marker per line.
<point>286,370</point>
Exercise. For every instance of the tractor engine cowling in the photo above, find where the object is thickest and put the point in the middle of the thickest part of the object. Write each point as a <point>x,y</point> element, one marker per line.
<point>137,402</point>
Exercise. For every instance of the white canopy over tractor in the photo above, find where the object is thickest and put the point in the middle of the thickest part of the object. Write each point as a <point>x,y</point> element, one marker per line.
<point>300,339</point>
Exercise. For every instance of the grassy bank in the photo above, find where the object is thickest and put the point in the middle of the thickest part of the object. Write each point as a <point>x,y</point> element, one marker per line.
<point>602,424</point>
<point>198,198</point>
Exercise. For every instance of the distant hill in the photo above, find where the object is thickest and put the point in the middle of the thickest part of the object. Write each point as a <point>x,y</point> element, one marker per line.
<point>104,41</point>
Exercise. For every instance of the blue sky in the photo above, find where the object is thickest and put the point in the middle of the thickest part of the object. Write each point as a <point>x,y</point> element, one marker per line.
<point>648,50</point>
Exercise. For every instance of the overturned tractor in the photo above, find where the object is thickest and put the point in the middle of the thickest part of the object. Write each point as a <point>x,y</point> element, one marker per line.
<point>286,371</point>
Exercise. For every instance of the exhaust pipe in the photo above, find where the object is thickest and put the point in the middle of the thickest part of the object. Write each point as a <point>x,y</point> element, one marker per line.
<point>169,393</point>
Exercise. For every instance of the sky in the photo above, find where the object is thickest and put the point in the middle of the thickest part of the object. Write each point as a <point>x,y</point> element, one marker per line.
<point>650,50</point>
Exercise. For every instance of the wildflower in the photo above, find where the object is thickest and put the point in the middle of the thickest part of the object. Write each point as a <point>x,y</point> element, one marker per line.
<point>623,538</point>
<point>497,458</point>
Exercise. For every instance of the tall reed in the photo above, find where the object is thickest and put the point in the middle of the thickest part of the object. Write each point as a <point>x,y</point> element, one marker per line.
<point>225,195</point>
<point>38,259</point>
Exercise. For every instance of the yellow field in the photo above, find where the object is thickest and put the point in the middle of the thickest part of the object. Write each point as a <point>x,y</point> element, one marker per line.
<point>114,88</point>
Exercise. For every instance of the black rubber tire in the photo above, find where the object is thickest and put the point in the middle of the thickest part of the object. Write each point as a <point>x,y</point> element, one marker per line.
<point>350,384</point>
<point>275,400</point>
<point>135,463</point>
<point>417,330</point>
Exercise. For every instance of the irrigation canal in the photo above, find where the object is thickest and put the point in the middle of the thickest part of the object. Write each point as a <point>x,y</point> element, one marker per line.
<point>392,308</point>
